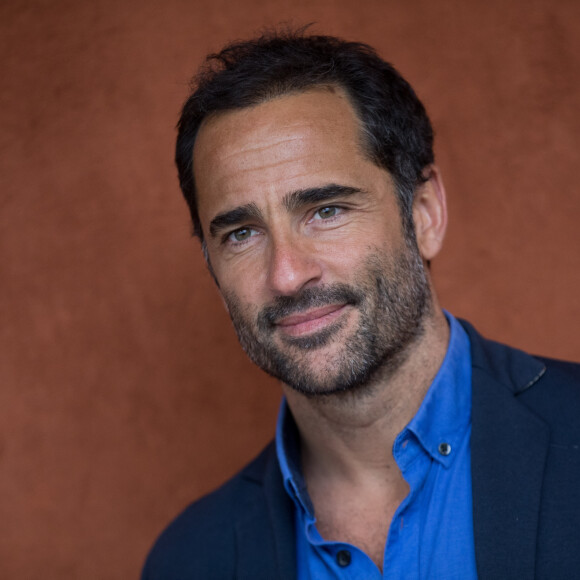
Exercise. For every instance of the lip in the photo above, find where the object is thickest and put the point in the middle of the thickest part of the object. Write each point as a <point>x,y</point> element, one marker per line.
<point>310,321</point>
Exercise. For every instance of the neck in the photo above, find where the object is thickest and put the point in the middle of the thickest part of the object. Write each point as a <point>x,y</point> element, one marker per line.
<point>350,435</point>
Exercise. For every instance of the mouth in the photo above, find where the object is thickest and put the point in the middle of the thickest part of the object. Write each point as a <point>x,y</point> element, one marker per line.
<point>304,323</point>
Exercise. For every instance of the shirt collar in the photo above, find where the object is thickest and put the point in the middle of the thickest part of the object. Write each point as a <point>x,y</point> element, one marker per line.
<point>445,413</point>
<point>288,451</point>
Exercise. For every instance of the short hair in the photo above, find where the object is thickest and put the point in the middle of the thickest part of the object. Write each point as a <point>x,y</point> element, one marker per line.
<point>397,134</point>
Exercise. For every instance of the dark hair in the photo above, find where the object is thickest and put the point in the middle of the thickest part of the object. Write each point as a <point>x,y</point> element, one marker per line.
<point>397,134</point>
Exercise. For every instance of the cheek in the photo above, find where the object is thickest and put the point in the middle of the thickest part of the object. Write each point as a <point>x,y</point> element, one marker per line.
<point>240,289</point>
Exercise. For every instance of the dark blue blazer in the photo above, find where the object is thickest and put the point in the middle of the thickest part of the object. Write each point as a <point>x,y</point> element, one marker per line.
<point>525,463</point>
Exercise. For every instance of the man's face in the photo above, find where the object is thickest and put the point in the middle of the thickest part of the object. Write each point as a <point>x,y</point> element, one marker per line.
<point>305,239</point>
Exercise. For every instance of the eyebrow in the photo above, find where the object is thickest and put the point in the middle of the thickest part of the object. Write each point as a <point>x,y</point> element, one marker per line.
<point>233,217</point>
<point>292,201</point>
<point>303,197</point>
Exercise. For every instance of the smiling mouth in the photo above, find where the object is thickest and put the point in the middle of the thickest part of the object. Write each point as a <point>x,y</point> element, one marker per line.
<point>305,323</point>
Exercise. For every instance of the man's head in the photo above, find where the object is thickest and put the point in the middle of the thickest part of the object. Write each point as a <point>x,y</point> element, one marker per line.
<point>318,255</point>
<point>395,131</point>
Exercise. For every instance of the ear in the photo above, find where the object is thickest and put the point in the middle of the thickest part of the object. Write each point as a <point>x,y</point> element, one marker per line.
<point>430,213</point>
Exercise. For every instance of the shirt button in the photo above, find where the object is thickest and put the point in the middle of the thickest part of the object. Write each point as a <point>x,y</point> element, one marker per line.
<point>444,448</point>
<point>343,558</point>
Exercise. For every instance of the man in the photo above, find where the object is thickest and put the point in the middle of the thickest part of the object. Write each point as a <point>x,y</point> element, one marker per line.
<point>407,445</point>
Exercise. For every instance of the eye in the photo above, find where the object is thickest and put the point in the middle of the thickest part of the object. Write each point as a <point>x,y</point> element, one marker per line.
<point>240,235</point>
<point>325,213</point>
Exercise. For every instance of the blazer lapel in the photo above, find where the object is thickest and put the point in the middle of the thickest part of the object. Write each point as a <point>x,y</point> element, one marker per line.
<point>266,547</point>
<point>509,446</point>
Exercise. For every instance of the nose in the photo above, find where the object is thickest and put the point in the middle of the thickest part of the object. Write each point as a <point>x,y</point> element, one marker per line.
<point>293,266</point>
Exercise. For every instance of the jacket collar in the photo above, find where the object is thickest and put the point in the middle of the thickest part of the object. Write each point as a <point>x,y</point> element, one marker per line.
<point>509,446</point>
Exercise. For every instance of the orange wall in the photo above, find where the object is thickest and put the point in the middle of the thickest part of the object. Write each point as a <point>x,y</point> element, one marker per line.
<point>123,393</point>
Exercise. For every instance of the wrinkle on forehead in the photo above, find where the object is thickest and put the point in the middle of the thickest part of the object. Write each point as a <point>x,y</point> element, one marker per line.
<point>270,152</point>
<point>292,137</point>
<point>269,129</point>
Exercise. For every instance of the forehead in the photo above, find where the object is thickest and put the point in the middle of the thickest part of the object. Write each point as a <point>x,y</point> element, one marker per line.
<point>288,143</point>
<point>311,112</point>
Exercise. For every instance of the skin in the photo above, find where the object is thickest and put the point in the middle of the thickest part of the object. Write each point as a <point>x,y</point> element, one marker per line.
<point>268,244</point>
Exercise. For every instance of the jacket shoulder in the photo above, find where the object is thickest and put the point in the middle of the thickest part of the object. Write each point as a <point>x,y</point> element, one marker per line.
<point>566,370</point>
<point>200,542</point>
<point>525,454</point>
<point>549,388</point>
<point>555,398</point>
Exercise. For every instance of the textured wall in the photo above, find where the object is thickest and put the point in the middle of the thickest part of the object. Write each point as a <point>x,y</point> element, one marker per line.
<point>123,393</point>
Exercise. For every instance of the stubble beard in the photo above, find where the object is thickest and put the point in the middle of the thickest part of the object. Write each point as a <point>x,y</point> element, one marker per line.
<point>391,297</point>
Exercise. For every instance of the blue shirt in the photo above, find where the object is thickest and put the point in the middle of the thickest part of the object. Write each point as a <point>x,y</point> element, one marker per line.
<point>431,534</point>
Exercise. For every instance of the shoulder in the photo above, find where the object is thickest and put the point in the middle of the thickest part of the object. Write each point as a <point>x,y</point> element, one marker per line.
<point>565,371</point>
<point>200,542</point>
<point>549,388</point>
<point>525,445</point>
<point>555,398</point>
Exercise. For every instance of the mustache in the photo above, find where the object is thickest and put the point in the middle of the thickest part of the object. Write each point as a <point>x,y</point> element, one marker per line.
<point>306,299</point>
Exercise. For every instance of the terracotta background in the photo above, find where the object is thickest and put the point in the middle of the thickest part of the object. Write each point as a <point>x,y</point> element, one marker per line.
<point>123,393</point>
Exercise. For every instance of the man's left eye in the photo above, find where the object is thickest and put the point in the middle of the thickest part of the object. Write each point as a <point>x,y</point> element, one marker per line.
<point>240,235</point>
<point>326,212</point>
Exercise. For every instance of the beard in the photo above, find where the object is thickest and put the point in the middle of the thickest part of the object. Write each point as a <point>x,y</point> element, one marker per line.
<point>391,297</point>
